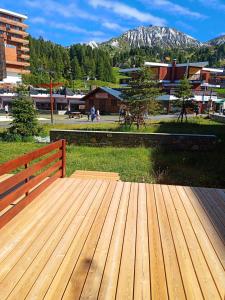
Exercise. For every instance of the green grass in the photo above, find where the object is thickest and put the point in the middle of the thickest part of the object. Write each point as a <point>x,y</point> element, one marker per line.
<point>121,160</point>
<point>145,165</point>
<point>197,125</point>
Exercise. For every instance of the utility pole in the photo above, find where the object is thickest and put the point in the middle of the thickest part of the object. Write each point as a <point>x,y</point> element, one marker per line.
<point>51,102</point>
<point>50,86</point>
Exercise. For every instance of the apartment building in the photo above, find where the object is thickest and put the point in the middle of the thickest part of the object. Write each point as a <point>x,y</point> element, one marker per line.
<point>169,75</point>
<point>13,36</point>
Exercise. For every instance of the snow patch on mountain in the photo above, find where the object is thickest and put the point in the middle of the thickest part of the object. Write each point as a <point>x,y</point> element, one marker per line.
<point>92,44</point>
<point>217,41</point>
<point>154,36</point>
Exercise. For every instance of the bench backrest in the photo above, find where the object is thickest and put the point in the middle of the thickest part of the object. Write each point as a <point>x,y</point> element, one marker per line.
<point>18,190</point>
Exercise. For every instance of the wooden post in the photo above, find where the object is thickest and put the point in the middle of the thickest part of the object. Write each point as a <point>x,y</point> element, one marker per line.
<point>26,180</point>
<point>51,101</point>
<point>63,158</point>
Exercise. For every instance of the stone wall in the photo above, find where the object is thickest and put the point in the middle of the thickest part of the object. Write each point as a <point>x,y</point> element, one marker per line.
<point>218,118</point>
<point>191,142</point>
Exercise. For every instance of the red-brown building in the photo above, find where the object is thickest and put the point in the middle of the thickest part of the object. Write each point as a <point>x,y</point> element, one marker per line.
<point>169,75</point>
<point>16,45</point>
<point>105,99</point>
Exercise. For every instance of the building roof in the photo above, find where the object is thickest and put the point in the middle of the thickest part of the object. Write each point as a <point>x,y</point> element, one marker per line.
<point>115,93</point>
<point>9,12</point>
<point>200,64</point>
<point>156,64</point>
<point>213,70</point>
<point>128,70</point>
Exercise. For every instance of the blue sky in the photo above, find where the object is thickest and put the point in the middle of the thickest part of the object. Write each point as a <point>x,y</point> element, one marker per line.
<point>80,21</point>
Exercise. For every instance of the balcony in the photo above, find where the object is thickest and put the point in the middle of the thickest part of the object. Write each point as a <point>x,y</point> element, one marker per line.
<point>24,56</point>
<point>11,30</point>
<point>18,63</point>
<point>19,32</point>
<point>18,40</point>
<point>12,22</point>
<point>24,49</point>
<point>17,70</point>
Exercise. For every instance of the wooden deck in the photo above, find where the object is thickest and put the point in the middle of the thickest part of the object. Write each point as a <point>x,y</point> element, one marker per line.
<point>99,239</point>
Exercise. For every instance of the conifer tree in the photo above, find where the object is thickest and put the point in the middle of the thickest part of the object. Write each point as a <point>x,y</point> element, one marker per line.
<point>184,94</point>
<point>140,96</point>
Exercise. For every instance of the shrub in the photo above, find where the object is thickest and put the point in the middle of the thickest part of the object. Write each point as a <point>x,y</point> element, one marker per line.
<point>11,137</point>
<point>25,121</point>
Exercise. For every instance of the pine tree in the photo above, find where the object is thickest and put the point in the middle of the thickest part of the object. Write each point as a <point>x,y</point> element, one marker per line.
<point>76,70</point>
<point>24,114</point>
<point>141,95</point>
<point>184,94</point>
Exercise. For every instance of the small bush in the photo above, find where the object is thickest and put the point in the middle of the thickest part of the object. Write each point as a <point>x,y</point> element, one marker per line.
<point>25,121</point>
<point>11,137</point>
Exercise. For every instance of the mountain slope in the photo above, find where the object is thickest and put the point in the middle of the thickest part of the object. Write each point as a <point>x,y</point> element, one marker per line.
<point>217,41</point>
<point>153,36</point>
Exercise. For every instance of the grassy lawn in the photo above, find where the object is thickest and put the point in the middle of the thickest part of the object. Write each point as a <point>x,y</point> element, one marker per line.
<point>121,160</point>
<point>194,125</point>
<point>141,164</point>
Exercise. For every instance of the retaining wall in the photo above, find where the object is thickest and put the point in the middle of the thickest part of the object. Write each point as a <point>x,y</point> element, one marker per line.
<point>132,139</point>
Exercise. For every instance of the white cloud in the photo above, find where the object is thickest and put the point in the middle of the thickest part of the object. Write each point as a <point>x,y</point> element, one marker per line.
<point>65,26</point>
<point>216,4</point>
<point>113,26</point>
<point>38,20</point>
<point>174,8</point>
<point>127,11</point>
<point>69,10</point>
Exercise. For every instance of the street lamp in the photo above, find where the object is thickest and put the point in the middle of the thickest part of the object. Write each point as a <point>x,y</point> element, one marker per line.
<point>51,98</point>
<point>50,86</point>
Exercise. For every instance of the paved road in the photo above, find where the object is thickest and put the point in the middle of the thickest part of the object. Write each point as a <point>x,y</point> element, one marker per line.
<point>104,119</point>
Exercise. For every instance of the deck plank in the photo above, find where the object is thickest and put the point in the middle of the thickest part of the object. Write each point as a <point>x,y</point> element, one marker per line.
<point>70,246</point>
<point>210,230</point>
<point>172,269</point>
<point>111,272</point>
<point>211,211</point>
<point>142,273</point>
<point>208,287</point>
<point>72,276</point>
<point>94,277</point>
<point>210,255</point>
<point>38,236</point>
<point>23,275</point>
<point>157,268</point>
<point>127,266</point>
<point>189,276</point>
<point>21,224</point>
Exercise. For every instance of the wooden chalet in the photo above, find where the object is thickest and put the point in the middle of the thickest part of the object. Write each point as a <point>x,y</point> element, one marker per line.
<point>105,99</point>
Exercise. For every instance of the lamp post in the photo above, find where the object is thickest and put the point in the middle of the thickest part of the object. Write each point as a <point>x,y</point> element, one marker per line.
<point>51,98</point>
<point>50,86</point>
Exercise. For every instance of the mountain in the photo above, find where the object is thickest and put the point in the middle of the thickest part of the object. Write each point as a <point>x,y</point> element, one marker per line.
<point>92,44</point>
<point>153,36</point>
<point>217,41</point>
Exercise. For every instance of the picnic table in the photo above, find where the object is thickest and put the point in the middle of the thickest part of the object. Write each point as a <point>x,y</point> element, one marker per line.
<point>75,114</point>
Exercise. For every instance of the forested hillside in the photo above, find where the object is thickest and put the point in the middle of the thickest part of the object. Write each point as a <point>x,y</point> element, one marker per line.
<point>137,56</point>
<point>80,62</point>
<point>75,62</point>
